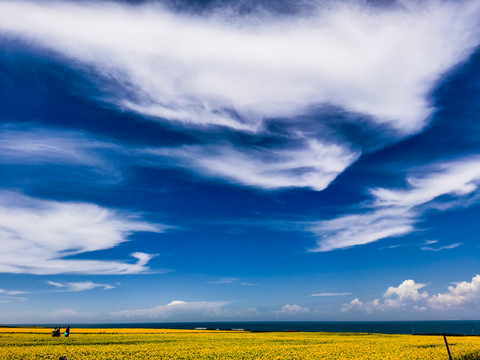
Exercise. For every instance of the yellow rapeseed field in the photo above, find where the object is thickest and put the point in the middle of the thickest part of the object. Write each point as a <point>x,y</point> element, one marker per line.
<point>133,344</point>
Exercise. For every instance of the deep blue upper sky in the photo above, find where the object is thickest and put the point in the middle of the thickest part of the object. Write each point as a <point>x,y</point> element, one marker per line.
<point>205,160</point>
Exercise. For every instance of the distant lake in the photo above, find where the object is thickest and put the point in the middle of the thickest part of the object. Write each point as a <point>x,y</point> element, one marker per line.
<point>464,327</point>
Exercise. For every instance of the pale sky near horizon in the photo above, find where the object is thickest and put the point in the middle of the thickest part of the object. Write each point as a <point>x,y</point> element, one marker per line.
<point>239,160</point>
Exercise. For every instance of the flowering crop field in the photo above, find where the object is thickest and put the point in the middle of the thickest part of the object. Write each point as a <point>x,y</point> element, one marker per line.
<point>138,344</point>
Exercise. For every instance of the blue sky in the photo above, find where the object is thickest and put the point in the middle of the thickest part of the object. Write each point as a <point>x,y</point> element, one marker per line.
<point>204,160</point>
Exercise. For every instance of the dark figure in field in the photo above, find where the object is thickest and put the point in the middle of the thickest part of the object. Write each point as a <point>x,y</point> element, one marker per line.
<point>67,331</point>
<point>62,358</point>
<point>56,332</point>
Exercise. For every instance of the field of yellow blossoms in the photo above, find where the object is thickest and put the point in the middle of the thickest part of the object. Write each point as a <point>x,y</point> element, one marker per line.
<point>138,344</point>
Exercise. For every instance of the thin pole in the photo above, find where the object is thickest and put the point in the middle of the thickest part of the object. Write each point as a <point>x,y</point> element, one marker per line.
<point>446,344</point>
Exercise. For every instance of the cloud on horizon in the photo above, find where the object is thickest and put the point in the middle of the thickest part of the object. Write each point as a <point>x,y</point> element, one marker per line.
<point>292,310</point>
<point>177,309</point>
<point>460,295</point>
<point>407,297</point>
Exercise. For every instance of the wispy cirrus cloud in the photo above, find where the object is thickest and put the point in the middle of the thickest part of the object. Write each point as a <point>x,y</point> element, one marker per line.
<point>456,178</point>
<point>235,71</point>
<point>79,286</point>
<point>440,248</point>
<point>42,236</point>
<point>4,292</point>
<point>77,155</point>
<point>394,212</point>
<point>232,281</point>
<point>11,295</point>
<point>36,146</point>
<point>360,229</point>
<point>314,164</point>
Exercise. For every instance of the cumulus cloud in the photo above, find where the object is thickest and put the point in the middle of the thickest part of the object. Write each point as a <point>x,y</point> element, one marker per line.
<point>236,71</point>
<point>408,297</point>
<point>292,310</point>
<point>398,297</point>
<point>357,305</point>
<point>176,310</point>
<point>460,295</point>
<point>42,236</point>
<point>79,286</point>
<point>314,165</point>
<point>394,212</point>
<point>406,290</point>
<point>405,296</point>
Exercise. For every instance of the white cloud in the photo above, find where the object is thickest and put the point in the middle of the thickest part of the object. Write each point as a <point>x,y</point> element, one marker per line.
<point>4,292</point>
<point>440,248</point>
<point>72,152</point>
<point>403,295</point>
<point>406,296</point>
<point>395,212</point>
<point>359,229</point>
<point>393,246</point>
<point>80,286</point>
<point>200,69</point>
<point>178,310</point>
<point>237,71</point>
<point>408,290</point>
<point>461,295</point>
<point>11,295</point>
<point>292,310</point>
<point>40,146</point>
<point>314,165</point>
<point>233,281</point>
<point>40,236</point>
<point>357,305</point>
<point>457,178</point>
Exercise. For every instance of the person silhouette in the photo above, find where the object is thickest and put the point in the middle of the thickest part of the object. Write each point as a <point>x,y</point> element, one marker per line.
<point>56,332</point>
<point>67,331</point>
